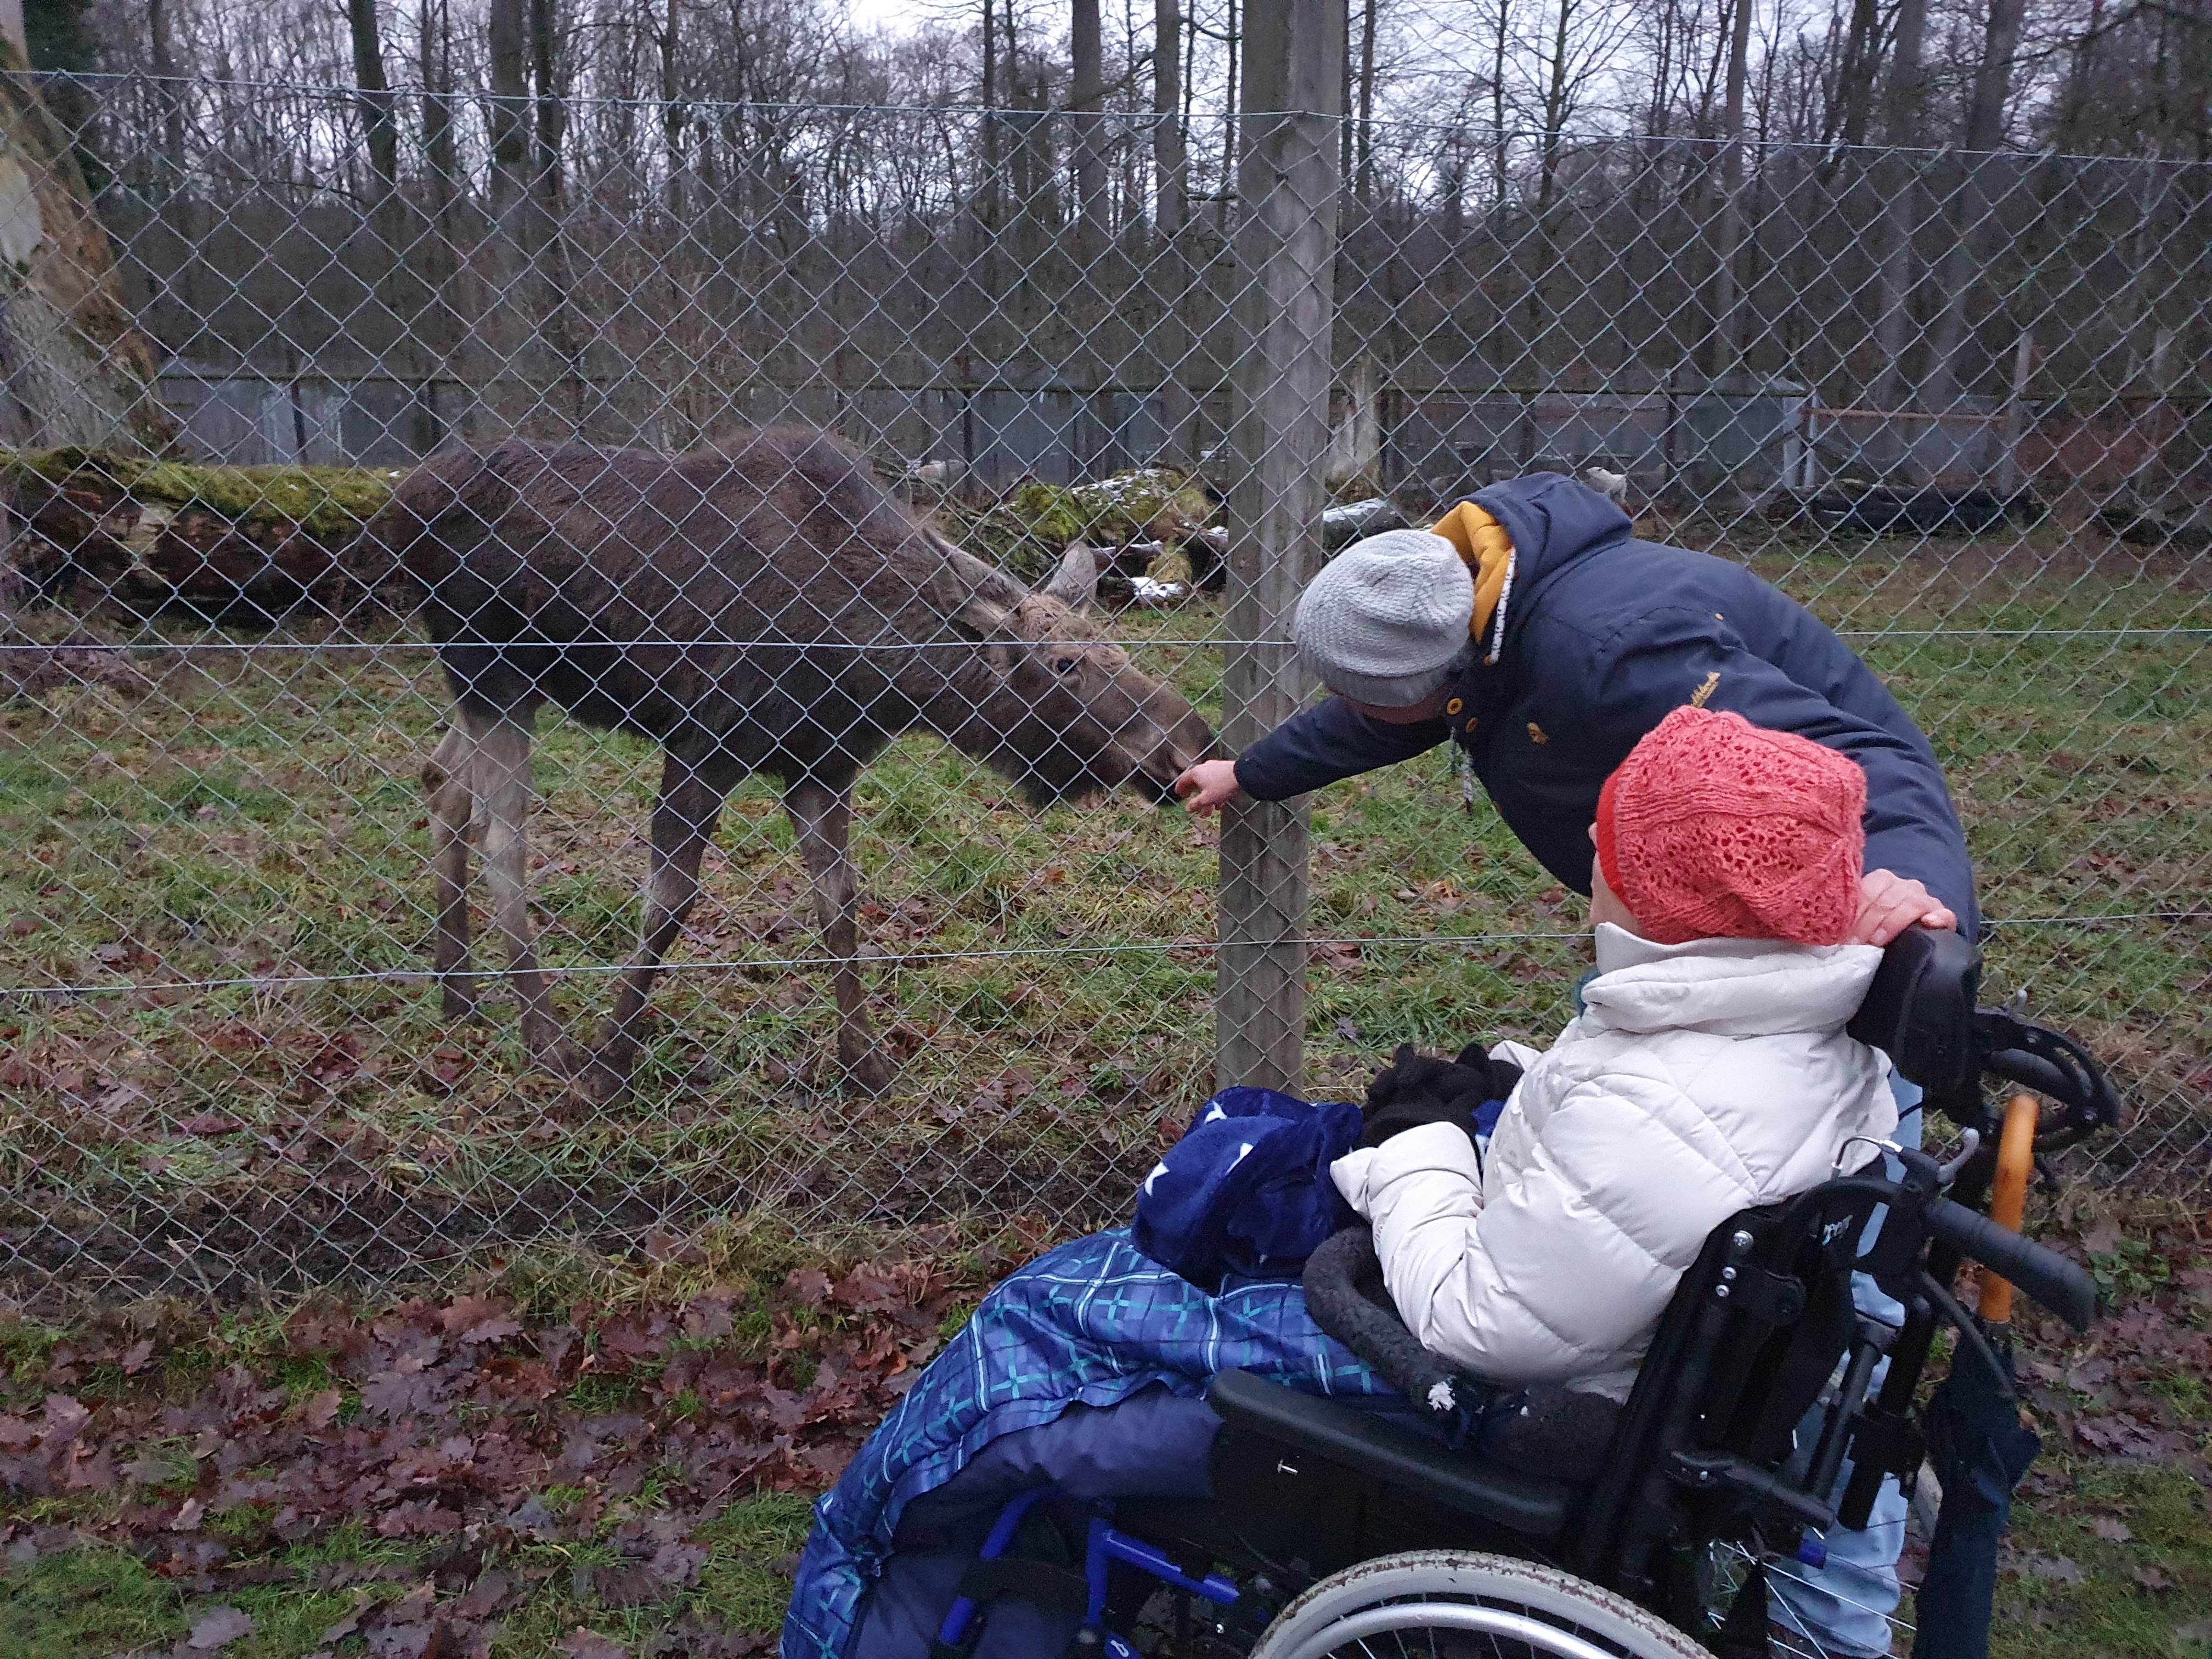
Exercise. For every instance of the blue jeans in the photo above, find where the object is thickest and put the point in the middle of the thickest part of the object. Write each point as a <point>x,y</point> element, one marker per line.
<point>1844,1606</point>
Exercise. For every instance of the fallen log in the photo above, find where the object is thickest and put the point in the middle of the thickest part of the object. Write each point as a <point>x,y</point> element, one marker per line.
<point>112,530</point>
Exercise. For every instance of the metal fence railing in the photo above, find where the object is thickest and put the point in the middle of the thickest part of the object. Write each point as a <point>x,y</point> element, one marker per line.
<point>1956,405</point>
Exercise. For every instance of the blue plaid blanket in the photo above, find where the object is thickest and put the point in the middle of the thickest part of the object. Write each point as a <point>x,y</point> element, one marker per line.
<point>1089,1323</point>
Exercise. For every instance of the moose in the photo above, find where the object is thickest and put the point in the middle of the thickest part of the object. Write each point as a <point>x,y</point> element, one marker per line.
<point>761,606</point>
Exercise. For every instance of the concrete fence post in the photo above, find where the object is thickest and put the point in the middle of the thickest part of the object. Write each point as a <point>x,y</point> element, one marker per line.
<point>1287,187</point>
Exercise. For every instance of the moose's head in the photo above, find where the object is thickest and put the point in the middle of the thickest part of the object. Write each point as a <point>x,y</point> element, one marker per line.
<point>1064,713</point>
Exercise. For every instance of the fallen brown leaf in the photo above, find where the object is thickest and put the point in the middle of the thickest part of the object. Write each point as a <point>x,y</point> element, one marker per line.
<point>581,1643</point>
<point>218,1628</point>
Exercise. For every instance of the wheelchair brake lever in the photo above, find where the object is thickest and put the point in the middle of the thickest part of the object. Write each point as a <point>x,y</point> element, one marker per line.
<point>1970,1142</point>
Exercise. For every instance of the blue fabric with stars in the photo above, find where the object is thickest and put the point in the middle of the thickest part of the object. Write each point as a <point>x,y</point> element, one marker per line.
<point>1246,1191</point>
<point>1093,1322</point>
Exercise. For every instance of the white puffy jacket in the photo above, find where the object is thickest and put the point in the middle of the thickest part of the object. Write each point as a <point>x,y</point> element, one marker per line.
<point>1700,1080</point>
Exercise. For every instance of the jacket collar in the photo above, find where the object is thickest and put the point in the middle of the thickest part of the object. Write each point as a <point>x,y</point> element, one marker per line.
<point>1486,550</point>
<point>1727,986</point>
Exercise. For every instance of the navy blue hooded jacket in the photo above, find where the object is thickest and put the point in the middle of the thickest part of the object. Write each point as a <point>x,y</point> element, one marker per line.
<point>1604,635</point>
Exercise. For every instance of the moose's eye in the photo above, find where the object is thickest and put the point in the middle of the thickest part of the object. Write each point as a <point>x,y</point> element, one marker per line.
<point>1063,665</point>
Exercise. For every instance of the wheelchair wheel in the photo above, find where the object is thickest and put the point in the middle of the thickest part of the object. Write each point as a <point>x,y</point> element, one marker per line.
<point>1454,1605</point>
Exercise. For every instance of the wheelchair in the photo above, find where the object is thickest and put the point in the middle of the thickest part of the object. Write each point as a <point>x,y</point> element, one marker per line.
<point>1333,1530</point>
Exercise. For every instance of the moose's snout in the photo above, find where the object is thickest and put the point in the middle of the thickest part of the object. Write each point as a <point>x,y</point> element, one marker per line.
<point>1180,739</point>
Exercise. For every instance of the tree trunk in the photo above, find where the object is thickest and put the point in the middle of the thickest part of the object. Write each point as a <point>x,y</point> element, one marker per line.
<point>1364,134</point>
<point>1857,75</point>
<point>672,115</point>
<point>400,290</point>
<point>441,329</point>
<point>1984,131</point>
<point>1725,348</point>
<point>548,129</point>
<point>74,367</point>
<point>1171,343</point>
<point>373,94</point>
<point>1229,104</point>
<point>987,205</point>
<point>1086,100</point>
<point>165,70</point>
<point>510,141</point>
<point>1897,184</point>
<point>1559,105</point>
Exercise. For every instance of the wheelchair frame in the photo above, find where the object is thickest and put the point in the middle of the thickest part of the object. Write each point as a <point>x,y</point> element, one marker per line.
<point>1761,1330</point>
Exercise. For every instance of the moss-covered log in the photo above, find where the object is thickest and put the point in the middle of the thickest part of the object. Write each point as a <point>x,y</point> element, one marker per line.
<point>102,528</point>
<point>1028,529</point>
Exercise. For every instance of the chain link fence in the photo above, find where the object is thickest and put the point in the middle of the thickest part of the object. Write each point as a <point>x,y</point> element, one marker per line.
<point>1955,405</point>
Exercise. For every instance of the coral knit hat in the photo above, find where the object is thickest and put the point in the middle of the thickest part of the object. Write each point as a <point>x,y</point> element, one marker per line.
<point>1714,828</point>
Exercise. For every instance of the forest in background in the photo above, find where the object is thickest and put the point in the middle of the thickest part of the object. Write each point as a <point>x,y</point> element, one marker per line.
<point>653,219</point>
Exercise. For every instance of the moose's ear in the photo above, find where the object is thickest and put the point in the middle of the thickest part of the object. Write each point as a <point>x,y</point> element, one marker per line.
<point>1075,584</point>
<point>978,617</point>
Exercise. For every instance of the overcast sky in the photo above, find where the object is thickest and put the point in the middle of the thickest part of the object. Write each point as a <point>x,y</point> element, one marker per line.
<point>870,14</point>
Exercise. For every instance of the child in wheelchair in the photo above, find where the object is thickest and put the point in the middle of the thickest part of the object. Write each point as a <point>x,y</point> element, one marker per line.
<point>1709,1071</point>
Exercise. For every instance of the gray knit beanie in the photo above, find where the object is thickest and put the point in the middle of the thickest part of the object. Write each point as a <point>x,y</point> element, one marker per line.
<point>1385,617</point>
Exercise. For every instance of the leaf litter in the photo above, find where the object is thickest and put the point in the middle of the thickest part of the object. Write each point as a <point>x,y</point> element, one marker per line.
<point>503,1455</point>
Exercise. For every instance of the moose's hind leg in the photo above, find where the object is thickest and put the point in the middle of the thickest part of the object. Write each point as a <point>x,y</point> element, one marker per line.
<point>503,794</point>
<point>822,816</point>
<point>447,781</point>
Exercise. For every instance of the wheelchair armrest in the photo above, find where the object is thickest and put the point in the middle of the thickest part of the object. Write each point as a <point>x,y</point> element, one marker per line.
<point>1370,1327</point>
<point>1400,1457</point>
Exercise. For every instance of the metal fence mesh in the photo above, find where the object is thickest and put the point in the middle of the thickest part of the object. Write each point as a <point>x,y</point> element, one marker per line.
<point>1955,405</point>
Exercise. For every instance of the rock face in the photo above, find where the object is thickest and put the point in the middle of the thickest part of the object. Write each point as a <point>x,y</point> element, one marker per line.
<point>103,529</point>
<point>74,369</point>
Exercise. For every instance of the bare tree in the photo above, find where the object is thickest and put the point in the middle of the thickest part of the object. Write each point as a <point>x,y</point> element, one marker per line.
<point>1170,172</point>
<point>1727,342</point>
<point>1984,131</point>
<point>1363,131</point>
<point>1087,101</point>
<point>1898,182</point>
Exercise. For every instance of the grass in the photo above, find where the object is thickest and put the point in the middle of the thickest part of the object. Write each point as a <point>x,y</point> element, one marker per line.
<point>210,1085</point>
<point>86,1602</point>
<point>214,1081</point>
<point>2135,1596</point>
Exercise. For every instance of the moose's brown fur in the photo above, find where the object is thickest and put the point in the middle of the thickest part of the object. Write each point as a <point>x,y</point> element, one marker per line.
<point>763,606</point>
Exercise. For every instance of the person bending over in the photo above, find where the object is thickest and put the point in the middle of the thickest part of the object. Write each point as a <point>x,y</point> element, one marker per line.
<point>1533,630</point>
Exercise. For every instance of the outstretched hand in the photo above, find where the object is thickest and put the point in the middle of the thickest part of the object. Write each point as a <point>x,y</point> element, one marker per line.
<point>1889,903</point>
<point>1208,786</point>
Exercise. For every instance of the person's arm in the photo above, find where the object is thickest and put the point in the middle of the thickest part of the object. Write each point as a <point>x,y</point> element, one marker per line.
<point>1329,741</point>
<point>1574,1259</point>
<point>1912,829</point>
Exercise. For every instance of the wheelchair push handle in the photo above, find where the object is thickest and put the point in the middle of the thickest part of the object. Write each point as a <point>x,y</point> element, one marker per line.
<point>2050,1278</point>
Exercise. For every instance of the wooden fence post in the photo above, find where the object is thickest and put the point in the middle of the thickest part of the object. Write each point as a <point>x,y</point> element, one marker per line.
<point>1287,189</point>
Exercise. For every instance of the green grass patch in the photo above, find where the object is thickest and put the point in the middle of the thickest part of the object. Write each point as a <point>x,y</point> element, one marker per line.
<point>2119,1564</point>
<point>203,883</point>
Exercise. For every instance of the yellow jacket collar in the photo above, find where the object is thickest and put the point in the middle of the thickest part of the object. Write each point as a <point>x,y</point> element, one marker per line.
<point>1488,550</point>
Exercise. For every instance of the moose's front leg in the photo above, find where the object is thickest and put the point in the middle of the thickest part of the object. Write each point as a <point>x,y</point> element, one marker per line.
<point>822,814</point>
<point>683,821</point>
